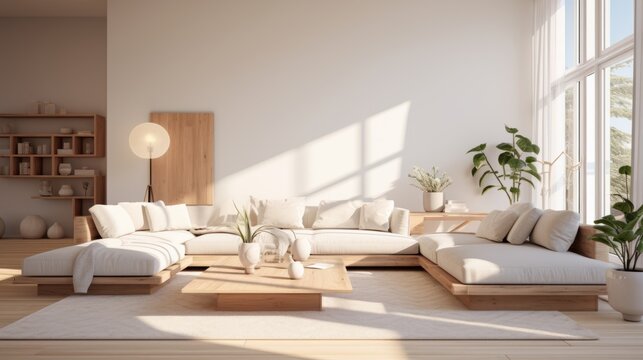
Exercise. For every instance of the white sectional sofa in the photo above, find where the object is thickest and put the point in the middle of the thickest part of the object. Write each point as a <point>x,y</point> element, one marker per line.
<point>483,274</point>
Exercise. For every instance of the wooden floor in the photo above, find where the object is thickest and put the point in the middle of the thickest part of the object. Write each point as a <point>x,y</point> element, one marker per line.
<point>618,339</point>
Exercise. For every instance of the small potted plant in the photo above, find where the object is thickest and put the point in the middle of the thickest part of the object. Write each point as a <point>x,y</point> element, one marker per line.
<point>624,235</point>
<point>249,250</point>
<point>432,185</point>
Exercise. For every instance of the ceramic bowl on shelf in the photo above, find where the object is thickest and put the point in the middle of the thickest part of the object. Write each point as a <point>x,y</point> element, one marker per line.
<point>66,190</point>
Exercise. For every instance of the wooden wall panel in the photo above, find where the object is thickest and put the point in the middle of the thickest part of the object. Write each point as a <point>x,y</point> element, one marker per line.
<point>185,173</point>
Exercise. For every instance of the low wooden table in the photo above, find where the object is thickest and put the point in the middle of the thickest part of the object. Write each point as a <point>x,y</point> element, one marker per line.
<point>269,288</point>
<point>417,220</point>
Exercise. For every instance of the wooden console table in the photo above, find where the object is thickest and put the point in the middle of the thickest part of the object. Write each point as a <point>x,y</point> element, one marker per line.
<point>417,220</point>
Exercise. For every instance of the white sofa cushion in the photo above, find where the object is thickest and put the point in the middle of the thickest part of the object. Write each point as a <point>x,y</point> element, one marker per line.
<point>119,257</point>
<point>156,216</point>
<point>284,213</point>
<point>376,215</point>
<point>343,214</point>
<point>178,217</point>
<point>431,244</point>
<point>136,213</point>
<point>496,225</point>
<point>362,242</point>
<point>556,230</point>
<point>227,244</point>
<point>521,229</point>
<point>525,264</point>
<point>111,221</point>
<point>175,236</point>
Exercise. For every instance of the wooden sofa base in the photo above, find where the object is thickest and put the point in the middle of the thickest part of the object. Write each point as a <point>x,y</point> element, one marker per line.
<point>349,260</point>
<point>106,285</point>
<point>517,297</point>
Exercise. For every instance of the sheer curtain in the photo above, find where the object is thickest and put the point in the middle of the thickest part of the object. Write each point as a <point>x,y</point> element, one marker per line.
<point>548,99</point>
<point>637,133</point>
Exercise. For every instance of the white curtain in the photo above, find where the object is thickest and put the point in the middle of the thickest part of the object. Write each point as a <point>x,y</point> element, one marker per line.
<point>637,133</point>
<point>548,102</point>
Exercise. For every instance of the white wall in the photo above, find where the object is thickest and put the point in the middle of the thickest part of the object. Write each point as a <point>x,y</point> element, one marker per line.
<point>328,99</point>
<point>63,60</point>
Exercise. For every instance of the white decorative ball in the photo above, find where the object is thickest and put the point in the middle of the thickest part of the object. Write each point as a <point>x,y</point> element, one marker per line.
<point>55,231</point>
<point>296,270</point>
<point>33,227</point>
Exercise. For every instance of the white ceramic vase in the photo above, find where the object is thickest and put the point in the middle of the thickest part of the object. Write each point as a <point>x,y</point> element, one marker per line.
<point>433,201</point>
<point>300,249</point>
<point>625,293</point>
<point>296,270</point>
<point>2,228</point>
<point>66,190</point>
<point>33,227</point>
<point>55,231</point>
<point>249,255</point>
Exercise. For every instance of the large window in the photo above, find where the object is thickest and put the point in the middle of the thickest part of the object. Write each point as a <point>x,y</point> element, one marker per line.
<point>598,91</point>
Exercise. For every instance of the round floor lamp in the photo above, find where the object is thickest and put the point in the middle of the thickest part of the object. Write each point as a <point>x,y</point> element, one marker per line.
<point>149,141</point>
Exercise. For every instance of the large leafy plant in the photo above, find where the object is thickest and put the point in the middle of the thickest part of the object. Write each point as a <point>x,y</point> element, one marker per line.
<point>516,165</point>
<point>623,233</point>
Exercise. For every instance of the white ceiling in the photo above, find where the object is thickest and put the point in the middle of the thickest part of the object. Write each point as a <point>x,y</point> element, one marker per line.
<point>53,8</point>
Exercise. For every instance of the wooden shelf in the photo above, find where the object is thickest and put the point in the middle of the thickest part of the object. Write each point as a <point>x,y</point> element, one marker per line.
<point>45,135</point>
<point>47,116</point>
<point>73,197</point>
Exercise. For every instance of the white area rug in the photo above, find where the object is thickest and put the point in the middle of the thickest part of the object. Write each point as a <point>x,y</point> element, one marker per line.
<point>385,304</point>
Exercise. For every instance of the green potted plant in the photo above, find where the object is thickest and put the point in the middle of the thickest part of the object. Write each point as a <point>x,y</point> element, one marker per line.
<point>432,185</point>
<point>516,165</point>
<point>623,234</point>
<point>249,250</point>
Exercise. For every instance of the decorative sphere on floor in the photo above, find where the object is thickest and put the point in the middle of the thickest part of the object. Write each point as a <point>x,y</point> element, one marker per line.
<point>33,227</point>
<point>2,228</point>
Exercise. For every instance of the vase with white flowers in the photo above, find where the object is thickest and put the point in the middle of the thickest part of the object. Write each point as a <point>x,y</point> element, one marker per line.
<point>432,184</point>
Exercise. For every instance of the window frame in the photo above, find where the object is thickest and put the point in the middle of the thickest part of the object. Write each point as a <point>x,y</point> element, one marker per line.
<point>586,65</point>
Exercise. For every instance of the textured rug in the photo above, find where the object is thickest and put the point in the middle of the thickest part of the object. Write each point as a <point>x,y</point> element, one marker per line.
<point>385,304</point>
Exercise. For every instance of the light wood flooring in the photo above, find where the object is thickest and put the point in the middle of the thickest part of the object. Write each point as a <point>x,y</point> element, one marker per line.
<point>618,339</point>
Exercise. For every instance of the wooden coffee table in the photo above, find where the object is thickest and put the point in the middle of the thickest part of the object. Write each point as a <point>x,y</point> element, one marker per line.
<point>269,288</point>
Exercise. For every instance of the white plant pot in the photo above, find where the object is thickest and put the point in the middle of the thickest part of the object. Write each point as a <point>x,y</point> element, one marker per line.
<point>296,270</point>
<point>625,293</point>
<point>249,255</point>
<point>433,201</point>
<point>301,249</point>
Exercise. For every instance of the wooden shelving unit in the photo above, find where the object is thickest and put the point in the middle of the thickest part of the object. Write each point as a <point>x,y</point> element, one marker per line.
<point>45,166</point>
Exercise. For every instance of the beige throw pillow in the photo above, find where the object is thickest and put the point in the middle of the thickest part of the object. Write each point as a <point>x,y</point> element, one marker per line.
<point>156,215</point>
<point>376,215</point>
<point>178,217</point>
<point>284,214</point>
<point>556,230</point>
<point>338,215</point>
<point>520,208</point>
<point>496,225</point>
<point>523,226</point>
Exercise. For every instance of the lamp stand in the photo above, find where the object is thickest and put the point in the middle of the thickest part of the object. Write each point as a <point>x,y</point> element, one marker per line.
<point>149,193</point>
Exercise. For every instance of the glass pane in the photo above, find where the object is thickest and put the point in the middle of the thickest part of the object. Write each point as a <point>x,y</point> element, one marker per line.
<point>590,150</point>
<point>590,29</point>
<point>571,34</point>
<point>619,20</point>
<point>618,121</point>
<point>571,148</point>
